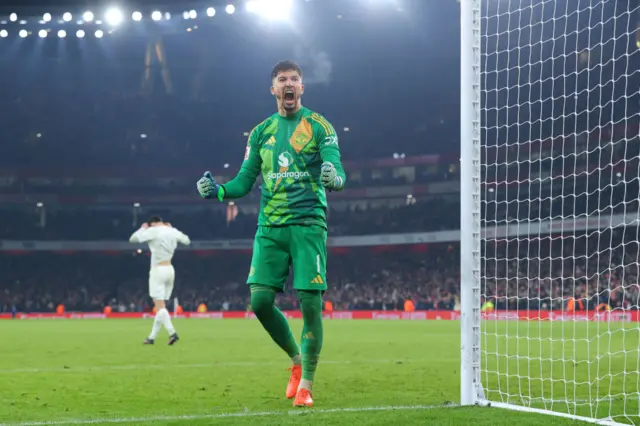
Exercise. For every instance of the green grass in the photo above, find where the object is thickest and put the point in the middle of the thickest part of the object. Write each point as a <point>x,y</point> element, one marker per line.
<point>91,370</point>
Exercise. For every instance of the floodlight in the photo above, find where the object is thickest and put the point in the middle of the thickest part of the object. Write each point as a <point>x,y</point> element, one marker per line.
<point>113,16</point>
<point>273,10</point>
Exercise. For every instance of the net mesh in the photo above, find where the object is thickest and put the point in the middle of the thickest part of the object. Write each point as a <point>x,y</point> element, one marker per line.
<point>560,124</point>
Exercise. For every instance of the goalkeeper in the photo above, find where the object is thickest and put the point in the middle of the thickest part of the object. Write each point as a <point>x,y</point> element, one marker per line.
<point>296,150</point>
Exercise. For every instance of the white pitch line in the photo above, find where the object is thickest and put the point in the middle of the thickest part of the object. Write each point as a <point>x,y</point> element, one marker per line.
<point>160,367</point>
<point>245,413</point>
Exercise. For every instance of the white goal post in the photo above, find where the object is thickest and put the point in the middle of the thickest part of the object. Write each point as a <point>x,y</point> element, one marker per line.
<point>550,210</point>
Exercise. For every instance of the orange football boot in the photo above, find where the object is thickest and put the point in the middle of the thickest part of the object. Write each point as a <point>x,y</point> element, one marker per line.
<point>303,398</point>
<point>294,380</point>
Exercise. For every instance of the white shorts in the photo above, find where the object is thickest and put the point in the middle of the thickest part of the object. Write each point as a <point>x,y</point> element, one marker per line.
<point>161,280</point>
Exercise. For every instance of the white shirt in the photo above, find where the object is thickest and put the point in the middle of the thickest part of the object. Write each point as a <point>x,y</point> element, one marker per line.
<point>162,241</point>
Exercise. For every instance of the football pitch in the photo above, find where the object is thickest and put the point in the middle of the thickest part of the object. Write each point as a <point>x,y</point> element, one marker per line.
<point>229,372</point>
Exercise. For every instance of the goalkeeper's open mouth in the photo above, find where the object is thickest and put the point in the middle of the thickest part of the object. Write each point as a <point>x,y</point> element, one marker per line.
<point>289,98</point>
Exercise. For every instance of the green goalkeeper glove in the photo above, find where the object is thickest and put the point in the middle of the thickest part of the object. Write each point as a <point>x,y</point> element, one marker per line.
<point>329,177</point>
<point>208,188</point>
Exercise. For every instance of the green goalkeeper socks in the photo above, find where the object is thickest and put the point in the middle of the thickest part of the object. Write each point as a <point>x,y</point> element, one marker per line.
<point>263,305</point>
<point>311,306</point>
<point>272,319</point>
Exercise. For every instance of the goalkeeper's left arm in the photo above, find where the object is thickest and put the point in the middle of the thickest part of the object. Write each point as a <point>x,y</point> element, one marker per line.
<point>332,173</point>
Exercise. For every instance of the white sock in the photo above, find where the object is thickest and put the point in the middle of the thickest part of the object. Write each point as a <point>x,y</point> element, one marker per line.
<point>297,360</point>
<point>166,320</point>
<point>305,384</point>
<point>157,325</point>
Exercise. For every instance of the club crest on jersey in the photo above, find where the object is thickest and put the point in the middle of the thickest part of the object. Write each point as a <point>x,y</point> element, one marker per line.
<point>301,136</point>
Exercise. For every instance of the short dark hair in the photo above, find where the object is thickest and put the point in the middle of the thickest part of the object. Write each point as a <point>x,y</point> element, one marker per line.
<point>283,66</point>
<point>154,219</point>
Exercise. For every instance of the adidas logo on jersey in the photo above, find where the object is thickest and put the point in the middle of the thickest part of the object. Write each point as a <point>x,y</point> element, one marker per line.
<point>317,280</point>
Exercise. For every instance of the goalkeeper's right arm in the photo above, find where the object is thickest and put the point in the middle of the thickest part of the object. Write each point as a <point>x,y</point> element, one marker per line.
<point>240,185</point>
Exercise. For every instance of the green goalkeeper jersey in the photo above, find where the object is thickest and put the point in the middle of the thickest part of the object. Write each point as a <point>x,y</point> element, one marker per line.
<point>289,152</point>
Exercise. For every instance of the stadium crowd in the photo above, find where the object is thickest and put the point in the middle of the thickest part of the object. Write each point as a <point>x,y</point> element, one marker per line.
<point>521,274</point>
<point>88,282</point>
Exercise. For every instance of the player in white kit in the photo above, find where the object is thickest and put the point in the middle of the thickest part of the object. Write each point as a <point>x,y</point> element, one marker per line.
<point>162,239</point>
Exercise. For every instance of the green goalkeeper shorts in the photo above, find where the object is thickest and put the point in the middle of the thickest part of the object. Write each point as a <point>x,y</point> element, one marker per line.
<point>302,247</point>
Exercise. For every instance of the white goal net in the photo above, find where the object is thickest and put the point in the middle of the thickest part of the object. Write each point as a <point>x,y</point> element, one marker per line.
<point>559,183</point>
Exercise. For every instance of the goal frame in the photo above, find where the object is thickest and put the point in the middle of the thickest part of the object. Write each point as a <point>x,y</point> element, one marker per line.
<point>470,202</point>
<point>471,390</point>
